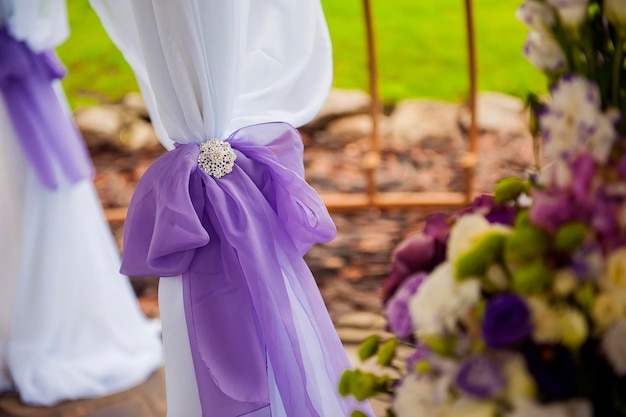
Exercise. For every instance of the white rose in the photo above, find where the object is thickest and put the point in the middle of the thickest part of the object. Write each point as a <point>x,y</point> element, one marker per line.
<point>420,396</point>
<point>536,15</point>
<point>544,52</point>
<point>572,12</point>
<point>615,11</point>
<point>523,407</point>
<point>441,301</point>
<point>614,346</point>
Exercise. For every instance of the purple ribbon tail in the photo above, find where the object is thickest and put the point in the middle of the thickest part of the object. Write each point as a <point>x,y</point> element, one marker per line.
<point>238,242</point>
<point>46,132</point>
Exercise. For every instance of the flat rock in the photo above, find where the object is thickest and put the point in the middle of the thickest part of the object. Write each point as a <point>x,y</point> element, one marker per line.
<point>496,112</point>
<point>348,129</point>
<point>100,126</point>
<point>340,103</point>
<point>138,135</point>
<point>362,320</point>
<point>415,121</point>
<point>134,103</point>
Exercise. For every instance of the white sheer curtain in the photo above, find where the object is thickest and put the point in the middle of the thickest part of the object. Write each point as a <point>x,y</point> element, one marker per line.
<point>70,326</point>
<point>207,68</point>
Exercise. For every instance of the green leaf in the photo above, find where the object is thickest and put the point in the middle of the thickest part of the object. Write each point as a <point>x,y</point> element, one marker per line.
<point>362,385</point>
<point>509,189</point>
<point>357,413</point>
<point>525,244</point>
<point>443,346</point>
<point>383,383</point>
<point>570,236</point>
<point>522,219</point>
<point>532,278</point>
<point>344,383</point>
<point>368,348</point>
<point>475,261</point>
<point>387,352</point>
<point>423,367</point>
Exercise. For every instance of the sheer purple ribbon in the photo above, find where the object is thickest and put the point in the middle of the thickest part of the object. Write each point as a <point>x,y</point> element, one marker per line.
<point>45,130</point>
<point>238,242</point>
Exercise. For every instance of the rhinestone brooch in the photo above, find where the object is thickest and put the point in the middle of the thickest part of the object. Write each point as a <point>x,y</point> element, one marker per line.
<point>216,158</point>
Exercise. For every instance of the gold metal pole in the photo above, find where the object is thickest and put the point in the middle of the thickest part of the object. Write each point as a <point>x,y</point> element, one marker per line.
<point>372,159</point>
<point>470,159</point>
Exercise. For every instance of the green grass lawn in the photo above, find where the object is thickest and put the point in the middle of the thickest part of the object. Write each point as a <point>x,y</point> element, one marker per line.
<point>421,51</point>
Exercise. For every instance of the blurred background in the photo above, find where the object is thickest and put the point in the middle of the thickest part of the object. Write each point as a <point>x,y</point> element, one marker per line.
<point>421,51</point>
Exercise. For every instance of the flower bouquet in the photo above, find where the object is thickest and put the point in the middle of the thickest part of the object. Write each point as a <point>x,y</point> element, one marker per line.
<point>516,306</point>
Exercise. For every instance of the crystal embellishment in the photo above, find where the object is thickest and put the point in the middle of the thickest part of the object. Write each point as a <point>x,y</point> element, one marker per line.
<point>216,158</point>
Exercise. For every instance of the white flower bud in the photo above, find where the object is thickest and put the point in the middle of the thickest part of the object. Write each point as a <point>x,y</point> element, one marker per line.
<point>536,15</point>
<point>544,52</point>
<point>571,12</point>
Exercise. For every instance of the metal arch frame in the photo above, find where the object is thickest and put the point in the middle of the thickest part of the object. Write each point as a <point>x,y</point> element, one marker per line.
<point>372,198</point>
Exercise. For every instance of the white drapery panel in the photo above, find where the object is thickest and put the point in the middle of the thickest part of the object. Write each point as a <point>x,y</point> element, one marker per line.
<point>70,326</point>
<point>40,23</point>
<point>207,68</point>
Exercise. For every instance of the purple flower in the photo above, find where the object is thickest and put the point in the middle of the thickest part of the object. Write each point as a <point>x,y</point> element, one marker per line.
<point>585,168</point>
<point>420,252</point>
<point>605,220</point>
<point>414,254</point>
<point>494,213</point>
<point>586,262</point>
<point>397,307</point>
<point>480,377</point>
<point>550,210</point>
<point>507,321</point>
<point>553,368</point>
<point>421,353</point>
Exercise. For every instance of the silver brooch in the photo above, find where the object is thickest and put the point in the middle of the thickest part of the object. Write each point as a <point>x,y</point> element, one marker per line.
<point>216,158</point>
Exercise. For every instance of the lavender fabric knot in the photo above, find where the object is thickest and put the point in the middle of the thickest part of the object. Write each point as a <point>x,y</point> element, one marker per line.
<point>238,242</point>
<point>46,133</point>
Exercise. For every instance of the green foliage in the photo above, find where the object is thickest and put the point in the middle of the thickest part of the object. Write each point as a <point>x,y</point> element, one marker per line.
<point>368,347</point>
<point>509,189</point>
<point>532,278</point>
<point>357,413</point>
<point>525,243</point>
<point>387,352</point>
<point>421,51</point>
<point>474,263</point>
<point>570,236</point>
<point>421,48</point>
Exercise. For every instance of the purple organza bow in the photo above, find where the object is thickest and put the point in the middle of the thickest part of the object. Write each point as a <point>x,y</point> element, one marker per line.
<point>45,131</point>
<point>238,243</point>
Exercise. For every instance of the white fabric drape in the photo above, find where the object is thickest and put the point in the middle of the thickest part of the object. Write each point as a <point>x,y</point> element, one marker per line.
<point>70,326</point>
<point>207,68</point>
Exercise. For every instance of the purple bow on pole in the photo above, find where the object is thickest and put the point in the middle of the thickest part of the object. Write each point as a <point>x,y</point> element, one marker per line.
<point>45,131</point>
<point>238,243</point>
